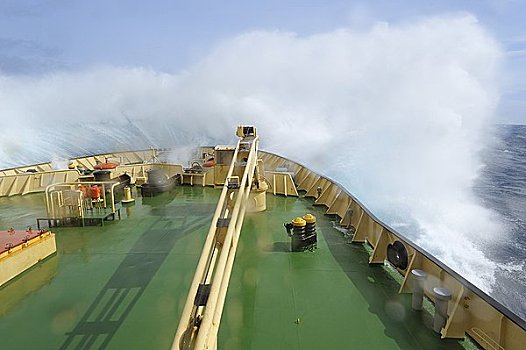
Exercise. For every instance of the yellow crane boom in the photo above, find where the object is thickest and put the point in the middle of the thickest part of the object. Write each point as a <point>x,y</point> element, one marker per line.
<point>199,323</point>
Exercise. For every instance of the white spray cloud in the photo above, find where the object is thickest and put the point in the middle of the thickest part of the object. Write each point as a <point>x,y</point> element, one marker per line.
<point>395,113</point>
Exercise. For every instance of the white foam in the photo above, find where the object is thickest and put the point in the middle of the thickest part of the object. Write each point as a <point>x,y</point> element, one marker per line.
<point>396,113</point>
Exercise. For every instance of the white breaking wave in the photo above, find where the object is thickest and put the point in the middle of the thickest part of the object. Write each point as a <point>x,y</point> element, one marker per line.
<point>396,113</point>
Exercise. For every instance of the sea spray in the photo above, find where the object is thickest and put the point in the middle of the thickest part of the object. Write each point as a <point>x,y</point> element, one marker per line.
<point>396,113</point>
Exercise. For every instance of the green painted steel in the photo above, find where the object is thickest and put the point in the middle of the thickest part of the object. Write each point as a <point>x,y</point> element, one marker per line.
<point>123,286</point>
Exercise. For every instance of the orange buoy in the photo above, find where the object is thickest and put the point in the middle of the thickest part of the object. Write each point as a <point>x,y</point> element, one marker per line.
<point>84,191</point>
<point>209,163</point>
<point>94,192</point>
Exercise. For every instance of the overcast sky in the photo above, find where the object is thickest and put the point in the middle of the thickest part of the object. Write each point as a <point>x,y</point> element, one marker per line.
<point>38,37</point>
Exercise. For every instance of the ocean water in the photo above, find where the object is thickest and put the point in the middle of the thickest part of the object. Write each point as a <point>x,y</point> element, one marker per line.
<point>502,187</point>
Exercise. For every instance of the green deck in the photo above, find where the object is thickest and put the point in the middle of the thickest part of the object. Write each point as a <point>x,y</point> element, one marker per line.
<point>123,286</point>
